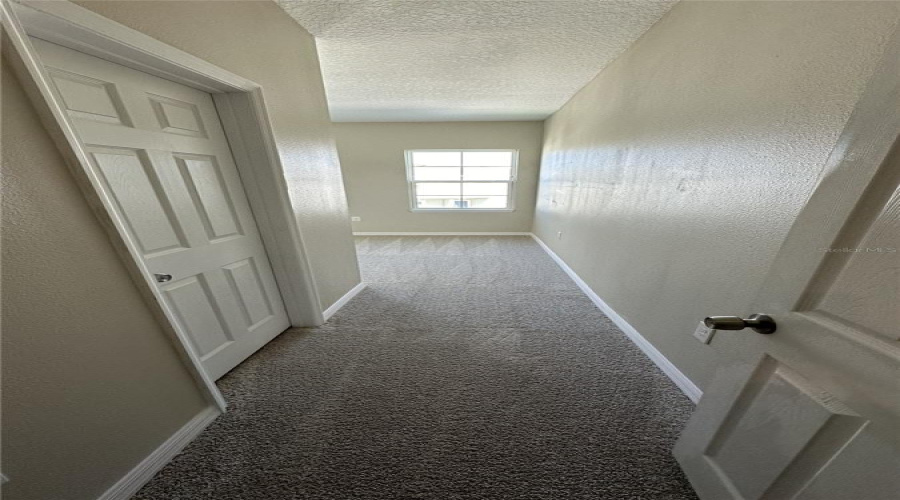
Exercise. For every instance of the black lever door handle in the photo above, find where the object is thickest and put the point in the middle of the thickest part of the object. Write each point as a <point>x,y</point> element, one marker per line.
<point>759,323</point>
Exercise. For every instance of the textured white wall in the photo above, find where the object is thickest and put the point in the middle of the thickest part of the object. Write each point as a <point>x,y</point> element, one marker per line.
<point>677,172</point>
<point>257,40</point>
<point>375,173</point>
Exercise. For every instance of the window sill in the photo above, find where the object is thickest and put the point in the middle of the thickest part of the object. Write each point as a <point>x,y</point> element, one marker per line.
<point>460,210</point>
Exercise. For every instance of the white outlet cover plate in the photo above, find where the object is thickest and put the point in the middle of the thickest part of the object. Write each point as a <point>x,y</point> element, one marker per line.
<point>704,333</point>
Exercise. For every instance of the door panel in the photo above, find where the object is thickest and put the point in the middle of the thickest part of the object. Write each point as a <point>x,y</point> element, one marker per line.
<point>254,304</point>
<point>132,181</point>
<point>211,199</point>
<point>764,442</point>
<point>164,159</point>
<point>855,287</point>
<point>199,314</point>
<point>177,117</point>
<point>89,98</point>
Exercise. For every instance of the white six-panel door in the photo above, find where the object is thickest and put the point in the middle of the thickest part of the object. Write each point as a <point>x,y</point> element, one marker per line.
<point>163,157</point>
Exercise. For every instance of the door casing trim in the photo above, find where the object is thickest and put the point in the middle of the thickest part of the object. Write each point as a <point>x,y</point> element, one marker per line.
<point>242,109</point>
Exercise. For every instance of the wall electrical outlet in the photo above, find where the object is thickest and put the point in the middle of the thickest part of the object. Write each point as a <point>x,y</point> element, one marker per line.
<point>704,333</point>
<point>355,219</point>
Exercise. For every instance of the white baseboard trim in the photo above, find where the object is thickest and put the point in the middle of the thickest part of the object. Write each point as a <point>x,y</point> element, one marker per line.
<point>328,313</point>
<point>681,380</point>
<point>140,475</point>
<point>443,234</point>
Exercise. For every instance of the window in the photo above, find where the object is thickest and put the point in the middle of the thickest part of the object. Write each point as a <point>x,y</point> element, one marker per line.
<point>461,180</point>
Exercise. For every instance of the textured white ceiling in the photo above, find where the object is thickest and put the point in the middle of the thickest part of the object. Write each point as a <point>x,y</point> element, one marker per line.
<point>446,60</point>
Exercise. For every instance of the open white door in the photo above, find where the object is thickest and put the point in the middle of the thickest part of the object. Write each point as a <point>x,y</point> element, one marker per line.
<point>162,155</point>
<point>812,411</point>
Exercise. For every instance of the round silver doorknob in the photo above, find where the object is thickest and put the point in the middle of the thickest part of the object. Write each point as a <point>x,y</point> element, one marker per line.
<point>759,323</point>
<point>162,278</point>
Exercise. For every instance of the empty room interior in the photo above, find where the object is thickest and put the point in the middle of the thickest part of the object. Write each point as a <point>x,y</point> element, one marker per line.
<point>450,249</point>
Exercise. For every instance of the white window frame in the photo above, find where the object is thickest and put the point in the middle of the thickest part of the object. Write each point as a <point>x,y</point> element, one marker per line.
<point>511,183</point>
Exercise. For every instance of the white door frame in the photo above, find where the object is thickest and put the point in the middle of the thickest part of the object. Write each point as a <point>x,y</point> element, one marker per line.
<point>244,117</point>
